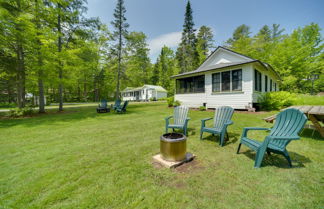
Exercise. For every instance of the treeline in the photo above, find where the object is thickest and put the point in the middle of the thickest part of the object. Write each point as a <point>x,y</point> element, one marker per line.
<point>49,48</point>
<point>296,56</point>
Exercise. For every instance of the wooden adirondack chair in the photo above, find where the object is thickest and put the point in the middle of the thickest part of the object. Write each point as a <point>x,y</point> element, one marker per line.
<point>180,119</point>
<point>122,108</point>
<point>103,106</point>
<point>286,128</point>
<point>116,105</point>
<point>222,119</point>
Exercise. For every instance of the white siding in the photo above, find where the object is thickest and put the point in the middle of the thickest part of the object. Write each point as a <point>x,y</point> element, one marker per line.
<point>237,100</point>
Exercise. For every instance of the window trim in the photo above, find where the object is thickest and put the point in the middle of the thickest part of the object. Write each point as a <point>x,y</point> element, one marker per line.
<point>257,85</point>
<point>231,82</point>
<point>265,83</point>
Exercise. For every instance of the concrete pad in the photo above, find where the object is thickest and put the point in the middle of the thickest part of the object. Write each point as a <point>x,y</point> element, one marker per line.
<point>172,164</point>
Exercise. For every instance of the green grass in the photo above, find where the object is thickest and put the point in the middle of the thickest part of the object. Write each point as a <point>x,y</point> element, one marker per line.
<point>81,159</point>
<point>304,99</point>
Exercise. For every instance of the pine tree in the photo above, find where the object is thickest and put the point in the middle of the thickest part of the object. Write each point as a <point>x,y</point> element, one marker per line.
<point>119,35</point>
<point>187,54</point>
<point>205,42</point>
<point>241,32</point>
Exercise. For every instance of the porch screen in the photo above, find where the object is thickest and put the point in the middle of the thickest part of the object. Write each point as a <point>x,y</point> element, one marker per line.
<point>194,84</point>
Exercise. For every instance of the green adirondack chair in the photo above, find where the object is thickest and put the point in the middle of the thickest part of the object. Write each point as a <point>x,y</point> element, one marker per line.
<point>103,106</point>
<point>222,119</point>
<point>122,108</point>
<point>286,128</point>
<point>116,105</point>
<point>180,119</point>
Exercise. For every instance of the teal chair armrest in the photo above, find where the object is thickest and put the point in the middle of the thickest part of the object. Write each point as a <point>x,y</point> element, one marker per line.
<point>229,123</point>
<point>205,119</point>
<point>246,129</point>
<point>284,137</point>
<point>168,118</point>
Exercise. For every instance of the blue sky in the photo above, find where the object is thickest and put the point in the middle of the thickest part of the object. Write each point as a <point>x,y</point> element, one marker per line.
<point>162,20</point>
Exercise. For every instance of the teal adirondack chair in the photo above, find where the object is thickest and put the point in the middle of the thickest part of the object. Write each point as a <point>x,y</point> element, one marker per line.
<point>103,106</point>
<point>222,119</point>
<point>180,119</point>
<point>122,108</point>
<point>286,128</point>
<point>116,105</point>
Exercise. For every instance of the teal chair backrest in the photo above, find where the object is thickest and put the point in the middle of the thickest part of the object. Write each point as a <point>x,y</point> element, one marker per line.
<point>222,115</point>
<point>125,105</point>
<point>103,103</point>
<point>180,115</point>
<point>288,123</point>
<point>117,103</point>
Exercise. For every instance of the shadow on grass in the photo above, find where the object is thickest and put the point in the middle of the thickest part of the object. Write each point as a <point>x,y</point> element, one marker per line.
<point>233,138</point>
<point>297,160</point>
<point>191,131</point>
<point>53,117</point>
<point>312,134</point>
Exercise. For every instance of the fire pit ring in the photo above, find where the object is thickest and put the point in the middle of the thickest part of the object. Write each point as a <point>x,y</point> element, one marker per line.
<point>173,146</point>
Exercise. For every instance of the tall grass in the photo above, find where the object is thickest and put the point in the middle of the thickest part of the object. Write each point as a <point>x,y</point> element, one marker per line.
<point>305,99</point>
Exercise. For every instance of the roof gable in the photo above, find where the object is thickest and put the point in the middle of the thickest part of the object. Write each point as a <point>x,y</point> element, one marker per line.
<point>222,55</point>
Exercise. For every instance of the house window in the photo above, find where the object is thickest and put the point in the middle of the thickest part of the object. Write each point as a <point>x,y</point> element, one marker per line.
<point>275,84</point>
<point>227,81</point>
<point>194,84</point>
<point>237,80</point>
<point>270,84</point>
<point>265,83</point>
<point>216,82</point>
<point>257,81</point>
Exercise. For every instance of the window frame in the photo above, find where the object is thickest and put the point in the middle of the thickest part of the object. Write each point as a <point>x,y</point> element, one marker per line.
<point>220,83</point>
<point>257,81</point>
<point>265,83</point>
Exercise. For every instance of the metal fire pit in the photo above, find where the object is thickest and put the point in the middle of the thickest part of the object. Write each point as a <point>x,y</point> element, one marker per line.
<point>173,146</point>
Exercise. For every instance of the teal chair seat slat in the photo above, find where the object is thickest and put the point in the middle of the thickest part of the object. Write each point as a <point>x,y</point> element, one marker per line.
<point>175,126</point>
<point>212,130</point>
<point>222,119</point>
<point>286,128</point>
<point>180,119</point>
<point>253,144</point>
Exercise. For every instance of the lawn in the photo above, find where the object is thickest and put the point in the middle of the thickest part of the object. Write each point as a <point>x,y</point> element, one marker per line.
<point>81,159</point>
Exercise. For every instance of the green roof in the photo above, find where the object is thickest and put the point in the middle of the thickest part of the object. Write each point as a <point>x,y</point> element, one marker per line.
<point>157,88</point>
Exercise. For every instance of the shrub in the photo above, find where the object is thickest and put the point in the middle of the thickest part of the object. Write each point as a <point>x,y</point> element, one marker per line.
<point>170,101</point>
<point>202,108</point>
<point>16,112</point>
<point>276,100</point>
<point>176,103</point>
<point>162,99</point>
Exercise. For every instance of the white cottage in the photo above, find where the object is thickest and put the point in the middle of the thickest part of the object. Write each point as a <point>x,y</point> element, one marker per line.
<point>226,78</point>
<point>144,93</point>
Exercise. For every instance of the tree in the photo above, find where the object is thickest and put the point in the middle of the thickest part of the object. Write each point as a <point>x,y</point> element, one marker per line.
<point>241,32</point>
<point>167,67</point>
<point>119,36</point>
<point>187,54</point>
<point>138,62</point>
<point>15,18</point>
<point>205,42</point>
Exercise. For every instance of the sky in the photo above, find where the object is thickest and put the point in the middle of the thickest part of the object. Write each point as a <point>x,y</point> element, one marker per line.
<point>162,20</point>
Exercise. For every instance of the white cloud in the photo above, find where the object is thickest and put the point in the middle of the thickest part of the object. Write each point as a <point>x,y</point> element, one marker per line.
<point>169,39</point>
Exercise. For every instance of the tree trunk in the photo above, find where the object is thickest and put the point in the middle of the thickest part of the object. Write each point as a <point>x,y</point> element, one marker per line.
<point>20,76</point>
<point>41,99</point>
<point>60,70</point>
<point>119,64</point>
